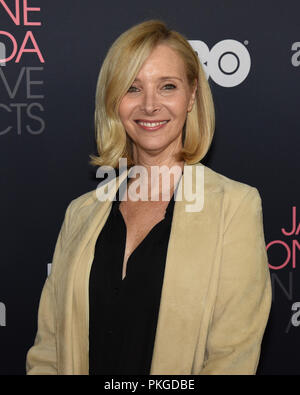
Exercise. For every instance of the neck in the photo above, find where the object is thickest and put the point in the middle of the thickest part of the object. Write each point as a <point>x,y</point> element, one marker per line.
<point>164,157</point>
<point>160,172</point>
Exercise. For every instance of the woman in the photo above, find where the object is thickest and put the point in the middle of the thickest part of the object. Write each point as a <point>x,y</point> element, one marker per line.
<point>155,286</point>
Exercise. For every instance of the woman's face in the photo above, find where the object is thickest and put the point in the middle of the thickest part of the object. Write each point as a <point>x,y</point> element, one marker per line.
<point>154,109</point>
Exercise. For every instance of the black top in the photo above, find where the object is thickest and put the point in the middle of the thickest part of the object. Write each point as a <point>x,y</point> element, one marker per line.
<point>123,313</point>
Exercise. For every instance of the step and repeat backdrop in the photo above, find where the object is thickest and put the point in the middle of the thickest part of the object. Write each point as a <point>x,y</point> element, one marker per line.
<point>51,53</point>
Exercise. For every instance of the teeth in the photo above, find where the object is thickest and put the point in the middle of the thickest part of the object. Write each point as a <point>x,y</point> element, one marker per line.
<point>151,124</point>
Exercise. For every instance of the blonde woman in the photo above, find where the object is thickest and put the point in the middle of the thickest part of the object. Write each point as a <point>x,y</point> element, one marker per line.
<point>160,285</point>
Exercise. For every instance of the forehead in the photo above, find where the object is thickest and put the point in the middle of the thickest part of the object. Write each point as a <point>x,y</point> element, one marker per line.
<point>163,61</point>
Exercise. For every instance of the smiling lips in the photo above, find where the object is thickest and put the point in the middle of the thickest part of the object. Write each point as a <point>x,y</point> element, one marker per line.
<point>151,126</point>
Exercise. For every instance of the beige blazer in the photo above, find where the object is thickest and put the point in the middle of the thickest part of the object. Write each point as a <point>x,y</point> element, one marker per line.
<point>216,293</point>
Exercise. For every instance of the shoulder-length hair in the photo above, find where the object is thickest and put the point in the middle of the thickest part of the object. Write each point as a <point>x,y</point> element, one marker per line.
<point>119,69</point>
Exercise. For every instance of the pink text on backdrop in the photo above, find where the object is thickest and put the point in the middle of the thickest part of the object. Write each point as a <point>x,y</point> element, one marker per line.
<point>29,38</point>
<point>291,247</point>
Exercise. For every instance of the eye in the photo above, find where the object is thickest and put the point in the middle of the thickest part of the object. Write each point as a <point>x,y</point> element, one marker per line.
<point>169,86</point>
<point>133,89</point>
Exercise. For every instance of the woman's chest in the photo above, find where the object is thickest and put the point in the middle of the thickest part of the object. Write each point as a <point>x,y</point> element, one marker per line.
<point>140,218</point>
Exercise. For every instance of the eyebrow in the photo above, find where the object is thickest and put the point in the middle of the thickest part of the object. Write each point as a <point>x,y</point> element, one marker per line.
<point>164,78</point>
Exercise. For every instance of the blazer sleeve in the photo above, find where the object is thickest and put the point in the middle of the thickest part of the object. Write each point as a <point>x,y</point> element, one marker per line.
<point>42,356</point>
<point>243,298</point>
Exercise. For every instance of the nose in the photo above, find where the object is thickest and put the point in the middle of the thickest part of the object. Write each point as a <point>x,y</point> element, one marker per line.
<point>150,102</point>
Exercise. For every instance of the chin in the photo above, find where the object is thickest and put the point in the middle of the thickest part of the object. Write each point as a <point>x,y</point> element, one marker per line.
<point>153,145</point>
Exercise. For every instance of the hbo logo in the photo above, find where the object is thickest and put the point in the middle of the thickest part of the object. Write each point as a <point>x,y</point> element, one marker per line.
<point>227,63</point>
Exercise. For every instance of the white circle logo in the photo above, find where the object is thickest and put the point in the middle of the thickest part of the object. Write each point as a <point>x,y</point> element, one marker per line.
<point>227,63</point>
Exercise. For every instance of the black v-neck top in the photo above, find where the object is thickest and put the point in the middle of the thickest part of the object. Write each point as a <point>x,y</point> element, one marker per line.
<point>123,313</point>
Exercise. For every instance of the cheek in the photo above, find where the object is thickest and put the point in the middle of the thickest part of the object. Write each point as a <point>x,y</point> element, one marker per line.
<point>179,107</point>
<point>125,110</point>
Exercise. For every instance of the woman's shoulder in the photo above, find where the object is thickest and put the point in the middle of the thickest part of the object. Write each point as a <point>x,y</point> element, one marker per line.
<point>87,202</point>
<point>239,199</point>
<point>216,181</point>
<point>235,194</point>
<point>85,199</point>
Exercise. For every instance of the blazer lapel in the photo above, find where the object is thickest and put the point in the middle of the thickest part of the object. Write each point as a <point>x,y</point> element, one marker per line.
<point>189,282</point>
<point>90,219</point>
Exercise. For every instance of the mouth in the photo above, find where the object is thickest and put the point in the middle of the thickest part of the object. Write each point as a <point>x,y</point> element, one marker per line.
<point>151,126</point>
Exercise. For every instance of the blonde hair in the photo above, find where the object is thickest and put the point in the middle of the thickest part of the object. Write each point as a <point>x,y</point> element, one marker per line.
<point>119,69</point>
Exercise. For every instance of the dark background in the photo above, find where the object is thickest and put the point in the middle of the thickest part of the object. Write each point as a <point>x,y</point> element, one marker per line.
<point>256,142</point>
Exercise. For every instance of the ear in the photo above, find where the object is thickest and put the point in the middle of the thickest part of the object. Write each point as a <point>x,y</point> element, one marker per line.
<point>193,95</point>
